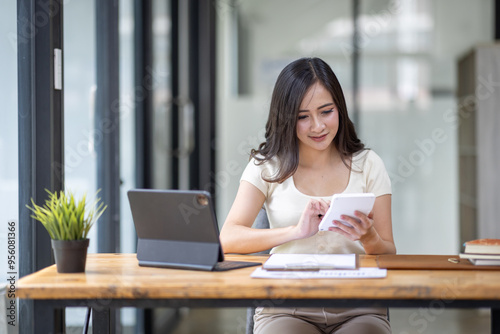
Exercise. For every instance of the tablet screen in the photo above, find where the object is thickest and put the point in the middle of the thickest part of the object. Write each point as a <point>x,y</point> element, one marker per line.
<point>346,204</point>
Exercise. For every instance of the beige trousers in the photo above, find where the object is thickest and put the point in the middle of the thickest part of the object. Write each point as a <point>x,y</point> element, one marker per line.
<point>321,321</point>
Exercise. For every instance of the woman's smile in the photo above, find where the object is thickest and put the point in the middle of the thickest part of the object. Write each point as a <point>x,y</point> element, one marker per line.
<point>319,138</point>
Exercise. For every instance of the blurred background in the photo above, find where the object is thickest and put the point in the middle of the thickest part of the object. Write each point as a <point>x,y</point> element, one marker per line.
<point>405,91</point>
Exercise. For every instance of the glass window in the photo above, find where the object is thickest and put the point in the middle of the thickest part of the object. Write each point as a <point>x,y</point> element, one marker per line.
<point>127,137</point>
<point>79,107</point>
<point>162,95</point>
<point>8,126</point>
<point>409,52</point>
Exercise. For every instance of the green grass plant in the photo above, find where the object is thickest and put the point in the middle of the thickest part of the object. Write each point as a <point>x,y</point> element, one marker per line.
<point>64,217</point>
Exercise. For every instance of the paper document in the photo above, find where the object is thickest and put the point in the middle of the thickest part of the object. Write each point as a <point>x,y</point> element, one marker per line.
<point>358,273</point>
<point>311,261</point>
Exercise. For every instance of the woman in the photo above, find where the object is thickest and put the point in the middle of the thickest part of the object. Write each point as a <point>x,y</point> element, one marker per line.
<point>311,152</point>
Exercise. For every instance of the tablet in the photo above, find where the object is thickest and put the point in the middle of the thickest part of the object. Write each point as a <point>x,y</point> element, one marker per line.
<point>346,204</point>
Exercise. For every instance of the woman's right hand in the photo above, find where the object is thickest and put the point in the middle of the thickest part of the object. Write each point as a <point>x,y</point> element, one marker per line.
<point>310,218</point>
<point>238,236</point>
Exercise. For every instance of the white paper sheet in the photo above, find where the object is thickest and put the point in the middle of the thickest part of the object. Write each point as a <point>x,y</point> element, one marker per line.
<point>358,273</point>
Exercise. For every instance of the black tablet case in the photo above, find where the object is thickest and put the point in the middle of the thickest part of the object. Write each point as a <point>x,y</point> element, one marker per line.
<point>175,229</point>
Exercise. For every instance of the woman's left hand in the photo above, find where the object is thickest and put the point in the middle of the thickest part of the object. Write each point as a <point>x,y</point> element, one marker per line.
<point>361,228</point>
<point>374,230</point>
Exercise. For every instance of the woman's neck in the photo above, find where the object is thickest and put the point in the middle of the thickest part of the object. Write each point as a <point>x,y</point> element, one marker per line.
<point>318,159</point>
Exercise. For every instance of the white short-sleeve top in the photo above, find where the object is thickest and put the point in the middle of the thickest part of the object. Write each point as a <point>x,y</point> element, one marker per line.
<point>284,202</point>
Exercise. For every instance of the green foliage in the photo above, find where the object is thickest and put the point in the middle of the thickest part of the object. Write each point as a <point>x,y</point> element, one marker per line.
<point>65,218</point>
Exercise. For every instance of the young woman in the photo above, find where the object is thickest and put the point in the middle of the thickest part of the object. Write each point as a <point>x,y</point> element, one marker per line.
<point>311,152</point>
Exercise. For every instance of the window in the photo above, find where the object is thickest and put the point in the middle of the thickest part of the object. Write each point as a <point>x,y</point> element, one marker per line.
<point>8,126</point>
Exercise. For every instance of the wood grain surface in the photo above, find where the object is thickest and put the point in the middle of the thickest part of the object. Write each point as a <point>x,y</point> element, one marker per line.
<point>118,276</point>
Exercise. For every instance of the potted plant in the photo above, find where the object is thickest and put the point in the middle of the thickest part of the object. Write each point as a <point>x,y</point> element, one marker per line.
<point>68,223</point>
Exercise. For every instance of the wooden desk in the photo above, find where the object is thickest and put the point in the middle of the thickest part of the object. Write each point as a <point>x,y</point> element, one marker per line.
<point>116,280</point>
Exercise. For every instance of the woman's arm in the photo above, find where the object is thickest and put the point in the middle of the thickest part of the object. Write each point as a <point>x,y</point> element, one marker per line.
<point>373,231</point>
<point>238,236</point>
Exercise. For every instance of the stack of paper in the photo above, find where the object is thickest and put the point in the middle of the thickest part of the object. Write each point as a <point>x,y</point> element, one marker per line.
<point>300,266</point>
<point>295,274</point>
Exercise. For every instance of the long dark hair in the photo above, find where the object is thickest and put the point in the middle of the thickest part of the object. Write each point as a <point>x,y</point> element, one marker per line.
<point>281,137</point>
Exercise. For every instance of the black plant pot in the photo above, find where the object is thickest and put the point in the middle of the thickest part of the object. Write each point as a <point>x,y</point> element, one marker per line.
<point>70,255</point>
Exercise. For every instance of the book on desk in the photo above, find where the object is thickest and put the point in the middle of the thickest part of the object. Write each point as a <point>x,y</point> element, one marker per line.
<point>482,252</point>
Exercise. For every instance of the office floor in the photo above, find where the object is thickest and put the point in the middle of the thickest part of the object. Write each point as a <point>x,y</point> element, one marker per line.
<point>433,320</point>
